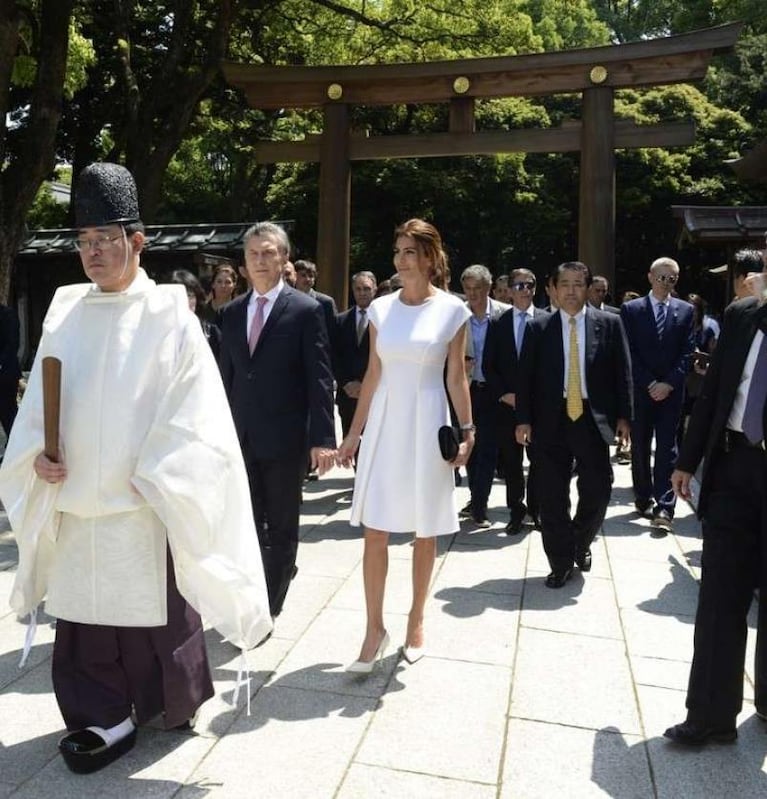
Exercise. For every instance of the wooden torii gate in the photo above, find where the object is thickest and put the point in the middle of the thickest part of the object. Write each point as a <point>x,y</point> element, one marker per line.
<point>594,72</point>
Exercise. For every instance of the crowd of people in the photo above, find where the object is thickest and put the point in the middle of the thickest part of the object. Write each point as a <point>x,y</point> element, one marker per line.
<point>174,489</point>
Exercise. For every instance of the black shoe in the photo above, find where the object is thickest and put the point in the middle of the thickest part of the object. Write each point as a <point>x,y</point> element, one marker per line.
<point>514,527</point>
<point>689,733</point>
<point>642,505</point>
<point>761,714</point>
<point>465,512</point>
<point>533,521</point>
<point>480,520</point>
<point>85,752</point>
<point>557,579</point>
<point>583,561</point>
<point>661,523</point>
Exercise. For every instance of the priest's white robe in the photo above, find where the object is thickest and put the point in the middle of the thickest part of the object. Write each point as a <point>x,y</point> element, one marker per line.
<point>152,460</point>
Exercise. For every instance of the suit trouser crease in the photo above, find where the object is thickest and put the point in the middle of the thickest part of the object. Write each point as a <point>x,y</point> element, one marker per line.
<point>275,493</point>
<point>660,419</point>
<point>511,456</point>
<point>580,441</point>
<point>733,565</point>
<point>484,456</point>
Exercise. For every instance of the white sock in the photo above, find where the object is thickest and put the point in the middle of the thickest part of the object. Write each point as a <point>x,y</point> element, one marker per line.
<point>116,733</point>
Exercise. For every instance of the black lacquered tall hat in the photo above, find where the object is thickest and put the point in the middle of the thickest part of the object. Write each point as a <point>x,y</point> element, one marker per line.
<point>105,194</point>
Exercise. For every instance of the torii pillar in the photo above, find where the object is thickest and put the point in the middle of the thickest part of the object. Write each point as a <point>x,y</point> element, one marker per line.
<point>596,219</point>
<point>334,213</point>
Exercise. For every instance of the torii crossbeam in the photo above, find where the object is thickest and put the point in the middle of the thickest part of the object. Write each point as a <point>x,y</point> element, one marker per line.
<point>594,72</point>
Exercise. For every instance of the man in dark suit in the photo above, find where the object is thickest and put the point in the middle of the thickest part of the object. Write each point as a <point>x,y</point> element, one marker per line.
<point>573,397</point>
<point>500,364</point>
<point>306,277</point>
<point>9,366</point>
<point>598,291</point>
<point>351,347</point>
<point>275,364</point>
<point>659,328</point>
<point>727,431</point>
<point>476,282</point>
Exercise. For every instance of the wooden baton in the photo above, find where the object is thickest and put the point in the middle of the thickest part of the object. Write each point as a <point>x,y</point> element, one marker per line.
<point>51,406</point>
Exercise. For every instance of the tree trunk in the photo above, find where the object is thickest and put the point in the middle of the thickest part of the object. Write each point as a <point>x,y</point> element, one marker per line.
<point>35,159</point>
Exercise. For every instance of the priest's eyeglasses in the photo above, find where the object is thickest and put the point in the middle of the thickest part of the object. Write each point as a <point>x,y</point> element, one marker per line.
<point>98,243</point>
<point>522,285</point>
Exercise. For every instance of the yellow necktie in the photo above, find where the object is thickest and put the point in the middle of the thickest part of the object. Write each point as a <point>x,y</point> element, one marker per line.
<point>574,396</point>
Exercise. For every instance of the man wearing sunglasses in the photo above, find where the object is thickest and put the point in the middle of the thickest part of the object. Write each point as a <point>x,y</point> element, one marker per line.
<point>659,328</point>
<point>500,365</point>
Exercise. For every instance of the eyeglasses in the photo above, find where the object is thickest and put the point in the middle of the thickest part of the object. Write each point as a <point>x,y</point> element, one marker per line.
<point>99,243</point>
<point>523,285</point>
<point>667,278</point>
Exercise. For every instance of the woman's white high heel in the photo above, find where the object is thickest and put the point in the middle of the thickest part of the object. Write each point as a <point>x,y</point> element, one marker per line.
<point>367,666</point>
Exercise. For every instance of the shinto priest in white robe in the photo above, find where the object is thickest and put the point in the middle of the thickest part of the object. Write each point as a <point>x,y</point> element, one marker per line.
<point>152,461</point>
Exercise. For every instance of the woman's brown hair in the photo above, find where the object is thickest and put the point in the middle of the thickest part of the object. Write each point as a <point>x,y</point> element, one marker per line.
<point>430,243</point>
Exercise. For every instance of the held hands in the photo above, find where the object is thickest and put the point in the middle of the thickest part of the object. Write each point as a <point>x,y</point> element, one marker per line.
<point>345,453</point>
<point>48,470</point>
<point>680,482</point>
<point>352,389</point>
<point>509,399</point>
<point>322,459</point>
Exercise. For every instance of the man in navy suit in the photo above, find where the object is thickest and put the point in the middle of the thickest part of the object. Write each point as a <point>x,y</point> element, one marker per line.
<point>505,336</point>
<point>275,364</point>
<point>476,282</point>
<point>727,433</point>
<point>573,397</point>
<point>351,347</point>
<point>306,277</point>
<point>659,328</point>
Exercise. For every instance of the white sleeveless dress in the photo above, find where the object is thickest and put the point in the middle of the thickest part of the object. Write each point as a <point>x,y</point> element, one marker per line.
<point>402,483</point>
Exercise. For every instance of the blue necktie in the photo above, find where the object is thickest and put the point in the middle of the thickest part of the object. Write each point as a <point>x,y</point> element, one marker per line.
<point>660,319</point>
<point>521,325</point>
<point>753,415</point>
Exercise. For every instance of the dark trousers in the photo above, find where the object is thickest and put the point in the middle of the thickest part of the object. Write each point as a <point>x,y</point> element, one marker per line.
<point>275,494</point>
<point>9,387</point>
<point>101,673</point>
<point>580,441</point>
<point>660,419</point>
<point>481,465</point>
<point>511,455</point>
<point>734,564</point>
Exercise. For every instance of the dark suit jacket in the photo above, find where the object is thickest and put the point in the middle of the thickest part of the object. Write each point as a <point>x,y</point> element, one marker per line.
<point>705,430</point>
<point>328,309</point>
<point>542,374</point>
<point>665,360</point>
<point>500,363</point>
<point>350,360</point>
<point>9,343</point>
<point>281,396</point>
<point>608,308</point>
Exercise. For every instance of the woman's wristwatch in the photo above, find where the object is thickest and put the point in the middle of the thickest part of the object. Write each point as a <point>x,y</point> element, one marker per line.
<point>470,427</point>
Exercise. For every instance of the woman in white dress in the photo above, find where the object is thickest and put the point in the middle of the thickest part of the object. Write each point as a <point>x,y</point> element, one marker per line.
<point>402,483</point>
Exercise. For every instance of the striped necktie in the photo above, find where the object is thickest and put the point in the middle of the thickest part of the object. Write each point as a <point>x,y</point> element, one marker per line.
<point>660,319</point>
<point>574,396</point>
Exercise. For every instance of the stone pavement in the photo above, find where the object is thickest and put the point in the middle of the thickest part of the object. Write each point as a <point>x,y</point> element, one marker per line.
<point>525,691</point>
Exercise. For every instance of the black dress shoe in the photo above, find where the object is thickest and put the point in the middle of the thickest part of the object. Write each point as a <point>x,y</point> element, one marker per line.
<point>583,561</point>
<point>514,527</point>
<point>661,523</point>
<point>642,506</point>
<point>689,733</point>
<point>466,511</point>
<point>557,579</point>
<point>85,752</point>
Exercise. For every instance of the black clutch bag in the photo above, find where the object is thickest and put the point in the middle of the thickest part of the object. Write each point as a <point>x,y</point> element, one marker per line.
<point>449,439</point>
